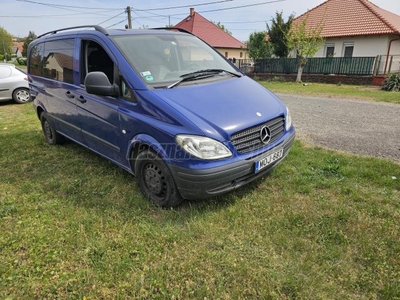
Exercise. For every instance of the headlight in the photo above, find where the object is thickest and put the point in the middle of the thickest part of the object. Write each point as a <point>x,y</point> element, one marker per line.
<point>203,147</point>
<point>288,119</point>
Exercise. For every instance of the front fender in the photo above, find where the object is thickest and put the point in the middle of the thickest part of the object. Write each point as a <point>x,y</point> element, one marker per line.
<point>145,140</point>
<point>38,106</point>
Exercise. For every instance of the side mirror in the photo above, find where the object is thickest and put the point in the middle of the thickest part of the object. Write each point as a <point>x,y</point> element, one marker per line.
<point>97,83</point>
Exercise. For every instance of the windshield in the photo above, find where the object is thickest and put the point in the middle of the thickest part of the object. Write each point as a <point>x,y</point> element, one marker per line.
<point>163,58</point>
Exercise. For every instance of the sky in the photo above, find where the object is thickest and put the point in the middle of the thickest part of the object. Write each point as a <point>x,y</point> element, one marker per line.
<point>241,17</point>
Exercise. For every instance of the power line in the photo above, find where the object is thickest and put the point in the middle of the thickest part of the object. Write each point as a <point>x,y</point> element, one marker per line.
<point>54,16</point>
<point>183,6</point>
<point>65,6</point>
<point>124,20</point>
<point>211,10</point>
<point>235,7</point>
<point>147,17</point>
<point>111,18</point>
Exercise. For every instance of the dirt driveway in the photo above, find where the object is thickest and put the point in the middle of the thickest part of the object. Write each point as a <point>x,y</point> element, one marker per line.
<point>357,126</point>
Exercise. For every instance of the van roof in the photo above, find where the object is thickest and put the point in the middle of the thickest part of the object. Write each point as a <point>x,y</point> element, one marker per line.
<point>111,32</point>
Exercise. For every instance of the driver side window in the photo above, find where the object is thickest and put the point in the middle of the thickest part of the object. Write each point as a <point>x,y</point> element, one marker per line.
<point>96,59</point>
<point>125,91</point>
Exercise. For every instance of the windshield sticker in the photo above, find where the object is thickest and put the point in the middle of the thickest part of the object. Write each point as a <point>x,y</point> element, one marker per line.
<point>149,78</point>
<point>146,73</point>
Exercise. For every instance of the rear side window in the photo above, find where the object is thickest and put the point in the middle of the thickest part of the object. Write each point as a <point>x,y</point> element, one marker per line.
<point>5,72</point>
<point>58,64</point>
<point>36,60</point>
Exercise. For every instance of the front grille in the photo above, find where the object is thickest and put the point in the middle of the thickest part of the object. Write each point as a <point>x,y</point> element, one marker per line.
<point>249,139</point>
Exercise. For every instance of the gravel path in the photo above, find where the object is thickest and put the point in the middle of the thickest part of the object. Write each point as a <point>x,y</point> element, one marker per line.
<point>357,126</point>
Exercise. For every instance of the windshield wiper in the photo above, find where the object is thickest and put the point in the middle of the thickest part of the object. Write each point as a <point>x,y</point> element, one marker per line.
<point>200,75</point>
<point>213,71</point>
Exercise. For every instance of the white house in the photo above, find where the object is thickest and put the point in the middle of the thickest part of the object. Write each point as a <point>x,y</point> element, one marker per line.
<point>357,28</point>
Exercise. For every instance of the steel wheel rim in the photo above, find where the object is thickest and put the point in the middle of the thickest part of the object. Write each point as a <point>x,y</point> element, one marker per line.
<point>155,180</point>
<point>47,130</point>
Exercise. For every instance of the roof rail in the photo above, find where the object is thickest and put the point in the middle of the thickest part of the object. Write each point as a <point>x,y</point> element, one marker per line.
<point>173,28</point>
<point>96,27</point>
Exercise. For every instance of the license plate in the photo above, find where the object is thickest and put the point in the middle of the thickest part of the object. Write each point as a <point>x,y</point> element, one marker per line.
<point>266,161</point>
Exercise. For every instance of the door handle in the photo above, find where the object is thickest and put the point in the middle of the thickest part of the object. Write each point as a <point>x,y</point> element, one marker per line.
<point>81,99</point>
<point>69,95</point>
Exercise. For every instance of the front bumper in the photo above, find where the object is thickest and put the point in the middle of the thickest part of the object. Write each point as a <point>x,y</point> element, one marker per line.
<point>200,184</point>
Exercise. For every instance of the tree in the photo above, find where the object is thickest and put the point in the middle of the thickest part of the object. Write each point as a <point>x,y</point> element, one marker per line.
<point>305,42</point>
<point>277,34</point>
<point>222,27</point>
<point>257,46</point>
<point>31,36</point>
<point>5,42</point>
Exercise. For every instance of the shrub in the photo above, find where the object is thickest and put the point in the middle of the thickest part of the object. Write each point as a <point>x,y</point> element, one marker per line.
<point>392,83</point>
<point>21,61</point>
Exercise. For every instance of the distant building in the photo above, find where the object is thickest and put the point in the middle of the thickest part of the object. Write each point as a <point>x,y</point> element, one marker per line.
<point>226,44</point>
<point>357,28</point>
<point>17,48</point>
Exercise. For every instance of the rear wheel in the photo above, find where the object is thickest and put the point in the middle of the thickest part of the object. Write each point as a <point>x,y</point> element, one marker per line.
<point>21,96</point>
<point>51,136</point>
<point>155,180</point>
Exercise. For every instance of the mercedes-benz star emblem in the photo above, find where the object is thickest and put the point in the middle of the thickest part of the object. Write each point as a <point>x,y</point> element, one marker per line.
<point>265,135</point>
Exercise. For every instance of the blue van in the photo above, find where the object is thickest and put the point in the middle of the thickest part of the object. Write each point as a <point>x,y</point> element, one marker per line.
<point>162,104</point>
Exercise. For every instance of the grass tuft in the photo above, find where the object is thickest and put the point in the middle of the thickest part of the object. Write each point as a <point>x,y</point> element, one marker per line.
<point>362,92</point>
<point>322,225</point>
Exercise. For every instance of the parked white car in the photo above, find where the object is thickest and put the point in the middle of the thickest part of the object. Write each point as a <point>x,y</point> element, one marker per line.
<point>13,84</point>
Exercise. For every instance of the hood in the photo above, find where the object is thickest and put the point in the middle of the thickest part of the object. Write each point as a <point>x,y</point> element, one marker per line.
<point>224,107</point>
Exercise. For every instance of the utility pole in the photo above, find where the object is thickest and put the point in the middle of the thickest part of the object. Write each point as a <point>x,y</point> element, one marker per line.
<point>128,10</point>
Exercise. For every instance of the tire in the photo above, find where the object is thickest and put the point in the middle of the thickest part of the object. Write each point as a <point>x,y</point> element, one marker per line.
<point>155,180</point>
<point>51,136</point>
<point>21,96</point>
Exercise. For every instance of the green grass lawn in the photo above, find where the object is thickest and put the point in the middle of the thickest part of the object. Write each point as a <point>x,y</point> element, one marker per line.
<point>322,225</point>
<point>373,93</point>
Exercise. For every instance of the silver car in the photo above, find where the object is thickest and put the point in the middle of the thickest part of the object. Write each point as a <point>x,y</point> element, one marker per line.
<point>13,84</point>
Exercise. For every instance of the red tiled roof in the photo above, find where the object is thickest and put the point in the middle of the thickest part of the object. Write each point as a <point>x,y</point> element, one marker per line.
<point>65,61</point>
<point>351,18</point>
<point>209,32</point>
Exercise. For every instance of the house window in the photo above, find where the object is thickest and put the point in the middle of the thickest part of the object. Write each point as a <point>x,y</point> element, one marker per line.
<point>241,54</point>
<point>226,54</point>
<point>329,50</point>
<point>348,49</point>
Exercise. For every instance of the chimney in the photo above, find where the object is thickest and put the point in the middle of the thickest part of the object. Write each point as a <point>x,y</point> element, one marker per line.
<point>191,11</point>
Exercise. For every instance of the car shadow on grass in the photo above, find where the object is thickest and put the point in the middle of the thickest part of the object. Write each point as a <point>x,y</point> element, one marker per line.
<point>70,173</point>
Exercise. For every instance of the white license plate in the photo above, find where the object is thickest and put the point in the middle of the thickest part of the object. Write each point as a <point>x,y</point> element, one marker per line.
<point>266,161</point>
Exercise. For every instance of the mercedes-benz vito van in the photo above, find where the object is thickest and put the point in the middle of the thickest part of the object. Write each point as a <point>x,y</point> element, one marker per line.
<point>162,104</point>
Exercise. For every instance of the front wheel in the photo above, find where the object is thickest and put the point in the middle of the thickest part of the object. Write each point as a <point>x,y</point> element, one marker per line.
<point>21,96</point>
<point>51,136</point>
<point>155,180</point>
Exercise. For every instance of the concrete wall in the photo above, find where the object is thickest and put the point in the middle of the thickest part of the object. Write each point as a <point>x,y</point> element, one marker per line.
<point>395,49</point>
<point>363,46</point>
<point>233,53</point>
